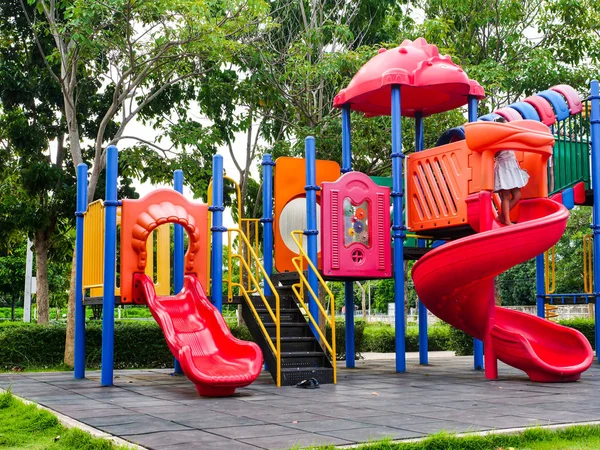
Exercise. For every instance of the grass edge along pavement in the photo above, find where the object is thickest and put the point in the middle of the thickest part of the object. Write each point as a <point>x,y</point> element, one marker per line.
<point>528,438</point>
<point>48,425</point>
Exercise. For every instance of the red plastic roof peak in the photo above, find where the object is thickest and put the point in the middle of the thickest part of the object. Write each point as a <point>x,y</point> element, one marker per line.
<point>430,83</point>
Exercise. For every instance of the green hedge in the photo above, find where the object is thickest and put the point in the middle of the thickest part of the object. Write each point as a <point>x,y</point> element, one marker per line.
<point>142,344</point>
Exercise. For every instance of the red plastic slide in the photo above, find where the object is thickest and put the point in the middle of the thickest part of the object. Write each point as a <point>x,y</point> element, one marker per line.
<point>455,282</point>
<point>197,335</point>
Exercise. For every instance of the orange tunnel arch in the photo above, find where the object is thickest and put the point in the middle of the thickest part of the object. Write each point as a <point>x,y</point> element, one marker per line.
<point>140,217</point>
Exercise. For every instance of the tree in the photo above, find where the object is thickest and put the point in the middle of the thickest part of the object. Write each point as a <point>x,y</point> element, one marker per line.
<point>516,48</point>
<point>12,275</point>
<point>139,59</point>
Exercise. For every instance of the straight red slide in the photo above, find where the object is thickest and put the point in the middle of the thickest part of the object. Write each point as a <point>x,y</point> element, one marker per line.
<point>197,335</point>
<point>456,283</point>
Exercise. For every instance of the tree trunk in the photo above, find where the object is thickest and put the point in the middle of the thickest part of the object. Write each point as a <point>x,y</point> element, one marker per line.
<point>41,269</point>
<point>70,340</point>
<point>12,309</point>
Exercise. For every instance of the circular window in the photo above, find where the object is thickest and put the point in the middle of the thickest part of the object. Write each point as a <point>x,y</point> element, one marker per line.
<point>293,217</point>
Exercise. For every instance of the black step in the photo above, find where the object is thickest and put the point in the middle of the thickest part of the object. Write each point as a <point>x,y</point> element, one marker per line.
<point>285,315</point>
<point>313,359</point>
<point>285,278</point>
<point>292,376</point>
<point>289,329</point>
<point>299,343</point>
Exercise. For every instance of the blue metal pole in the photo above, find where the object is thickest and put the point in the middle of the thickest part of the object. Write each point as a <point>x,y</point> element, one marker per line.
<point>267,218</point>
<point>540,288</point>
<point>311,231</point>
<point>398,228</point>
<point>217,233</point>
<point>477,344</point>
<point>110,255</point>
<point>82,201</point>
<point>595,137</point>
<point>348,285</point>
<point>423,338</point>
<point>178,272</point>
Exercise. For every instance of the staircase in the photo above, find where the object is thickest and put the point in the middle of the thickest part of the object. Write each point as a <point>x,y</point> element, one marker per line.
<point>302,356</point>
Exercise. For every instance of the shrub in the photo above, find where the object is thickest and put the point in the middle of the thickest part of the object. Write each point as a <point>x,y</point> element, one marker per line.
<point>586,326</point>
<point>340,338</point>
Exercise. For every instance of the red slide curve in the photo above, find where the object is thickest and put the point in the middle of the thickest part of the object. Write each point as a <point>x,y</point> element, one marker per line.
<point>197,335</point>
<point>455,282</point>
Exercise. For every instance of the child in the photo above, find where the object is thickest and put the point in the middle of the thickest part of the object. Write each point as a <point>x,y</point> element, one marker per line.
<point>509,178</point>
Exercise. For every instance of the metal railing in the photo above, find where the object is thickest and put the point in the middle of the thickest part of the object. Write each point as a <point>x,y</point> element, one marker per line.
<point>254,281</point>
<point>571,155</point>
<point>299,288</point>
<point>550,263</point>
<point>588,267</point>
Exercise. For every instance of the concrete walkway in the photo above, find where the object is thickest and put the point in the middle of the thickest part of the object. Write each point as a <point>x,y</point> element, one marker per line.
<point>159,411</point>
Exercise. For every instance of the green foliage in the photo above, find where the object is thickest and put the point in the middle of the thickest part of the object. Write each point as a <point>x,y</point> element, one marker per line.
<point>340,338</point>
<point>26,426</point>
<point>579,437</point>
<point>460,342</point>
<point>380,338</point>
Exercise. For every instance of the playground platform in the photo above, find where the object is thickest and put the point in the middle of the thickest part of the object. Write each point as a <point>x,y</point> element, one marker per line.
<point>160,411</point>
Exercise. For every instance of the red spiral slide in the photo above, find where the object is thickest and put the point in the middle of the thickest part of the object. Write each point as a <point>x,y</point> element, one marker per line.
<point>197,335</point>
<point>455,282</point>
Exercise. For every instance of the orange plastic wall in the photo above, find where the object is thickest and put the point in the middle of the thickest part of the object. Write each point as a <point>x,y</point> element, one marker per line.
<point>440,179</point>
<point>290,179</point>
<point>140,217</point>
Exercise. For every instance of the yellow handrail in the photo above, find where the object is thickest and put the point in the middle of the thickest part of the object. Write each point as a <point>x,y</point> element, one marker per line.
<point>550,255</point>
<point>550,312</point>
<point>298,289</point>
<point>588,268</point>
<point>247,225</point>
<point>275,316</point>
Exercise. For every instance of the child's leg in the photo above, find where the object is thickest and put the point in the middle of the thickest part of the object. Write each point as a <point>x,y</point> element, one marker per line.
<point>504,216</point>
<point>516,197</point>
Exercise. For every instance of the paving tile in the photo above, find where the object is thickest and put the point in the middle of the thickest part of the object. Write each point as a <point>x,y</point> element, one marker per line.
<point>170,438</point>
<point>370,433</point>
<point>222,444</point>
<point>251,431</point>
<point>150,426</point>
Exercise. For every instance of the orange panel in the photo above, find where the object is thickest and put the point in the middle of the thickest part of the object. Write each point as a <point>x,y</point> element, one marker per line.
<point>290,179</point>
<point>140,217</point>
<point>440,179</point>
<point>437,186</point>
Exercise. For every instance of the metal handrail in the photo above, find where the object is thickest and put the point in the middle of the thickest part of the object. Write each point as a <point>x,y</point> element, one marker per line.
<point>275,315</point>
<point>588,269</point>
<point>550,255</point>
<point>298,289</point>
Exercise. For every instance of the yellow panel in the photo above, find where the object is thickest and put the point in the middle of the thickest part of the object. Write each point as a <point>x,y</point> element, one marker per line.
<point>163,260</point>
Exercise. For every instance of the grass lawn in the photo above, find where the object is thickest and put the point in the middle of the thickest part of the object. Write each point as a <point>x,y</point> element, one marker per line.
<point>28,427</point>
<point>571,438</point>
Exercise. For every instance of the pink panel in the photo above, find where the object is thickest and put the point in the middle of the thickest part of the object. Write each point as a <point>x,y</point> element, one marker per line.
<point>571,96</point>
<point>543,108</point>
<point>355,228</point>
<point>509,114</point>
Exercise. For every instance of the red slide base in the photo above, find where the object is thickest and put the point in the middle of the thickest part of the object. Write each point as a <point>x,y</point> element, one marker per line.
<point>456,283</point>
<point>197,335</point>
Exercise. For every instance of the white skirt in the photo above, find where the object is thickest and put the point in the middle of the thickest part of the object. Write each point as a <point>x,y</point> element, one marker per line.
<point>507,172</point>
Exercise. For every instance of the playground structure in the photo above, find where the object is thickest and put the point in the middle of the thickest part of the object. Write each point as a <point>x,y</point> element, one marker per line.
<point>448,198</point>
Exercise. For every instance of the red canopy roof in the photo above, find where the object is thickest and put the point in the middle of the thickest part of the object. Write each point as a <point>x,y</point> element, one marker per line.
<point>430,83</point>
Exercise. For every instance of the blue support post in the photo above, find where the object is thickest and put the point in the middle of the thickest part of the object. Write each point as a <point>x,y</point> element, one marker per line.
<point>595,137</point>
<point>348,285</point>
<point>423,338</point>
<point>217,230</point>
<point>398,228</point>
<point>110,256</point>
<point>82,201</point>
<point>311,231</point>
<point>267,218</point>
<point>178,271</point>
<point>477,344</point>
<point>540,288</point>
